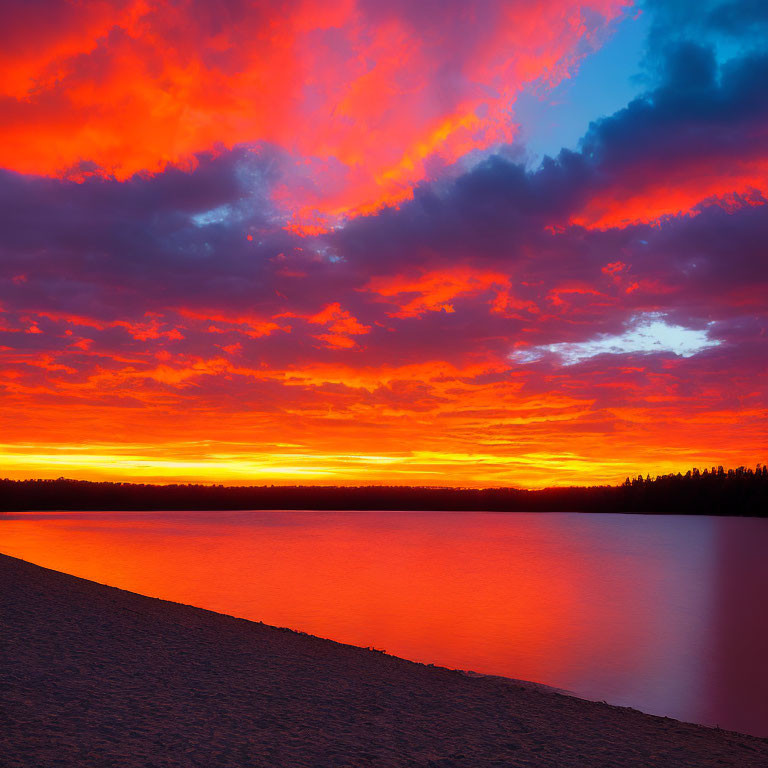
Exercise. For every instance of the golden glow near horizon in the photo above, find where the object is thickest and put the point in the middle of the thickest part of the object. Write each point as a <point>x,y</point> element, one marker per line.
<point>313,243</point>
<point>213,464</point>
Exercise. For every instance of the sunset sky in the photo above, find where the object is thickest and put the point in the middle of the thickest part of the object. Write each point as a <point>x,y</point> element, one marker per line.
<point>471,242</point>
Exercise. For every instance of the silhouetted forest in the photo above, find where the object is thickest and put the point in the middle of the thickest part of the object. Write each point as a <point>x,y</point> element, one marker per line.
<point>713,491</point>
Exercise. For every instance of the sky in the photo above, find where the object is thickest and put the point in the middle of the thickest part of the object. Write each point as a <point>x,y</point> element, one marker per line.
<point>467,243</point>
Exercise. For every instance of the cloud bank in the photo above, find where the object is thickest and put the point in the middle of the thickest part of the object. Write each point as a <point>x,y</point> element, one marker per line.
<point>501,324</point>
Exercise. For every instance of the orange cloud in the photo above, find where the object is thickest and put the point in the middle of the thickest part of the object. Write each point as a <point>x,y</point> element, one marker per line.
<point>433,291</point>
<point>250,325</point>
<point>340,326</point>
<point>651,195</point>
<point>151,328</point>
<point>479,424</point>
<point>363,98</point>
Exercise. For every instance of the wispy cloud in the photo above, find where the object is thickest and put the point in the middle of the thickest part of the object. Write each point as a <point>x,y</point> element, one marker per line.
<point>648,333</point>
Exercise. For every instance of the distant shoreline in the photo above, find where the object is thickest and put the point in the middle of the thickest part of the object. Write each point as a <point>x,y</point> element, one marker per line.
<point>96,510</point>
<point>741,492</point>
<point>98,676</point>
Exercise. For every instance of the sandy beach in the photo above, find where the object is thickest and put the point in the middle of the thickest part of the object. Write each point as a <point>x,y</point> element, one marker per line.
<point>95,676</point>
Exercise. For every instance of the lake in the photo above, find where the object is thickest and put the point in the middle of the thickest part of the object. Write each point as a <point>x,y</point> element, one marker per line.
<point>663,614</point>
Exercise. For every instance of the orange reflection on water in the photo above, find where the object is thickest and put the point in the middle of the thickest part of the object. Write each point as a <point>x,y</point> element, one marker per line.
<point>611,607</point>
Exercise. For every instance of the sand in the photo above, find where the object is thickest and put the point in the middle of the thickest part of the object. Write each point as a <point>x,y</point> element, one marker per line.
<point>93,676</point>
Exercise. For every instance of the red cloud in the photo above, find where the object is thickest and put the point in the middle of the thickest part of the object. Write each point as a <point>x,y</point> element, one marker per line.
<point>363,96</point>
<point>651,194</point>
<point>340,326</point>
<point>433,291</point>
<point>250,325</point>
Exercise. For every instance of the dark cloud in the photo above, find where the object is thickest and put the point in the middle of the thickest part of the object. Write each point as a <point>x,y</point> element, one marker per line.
<point>176,245</point>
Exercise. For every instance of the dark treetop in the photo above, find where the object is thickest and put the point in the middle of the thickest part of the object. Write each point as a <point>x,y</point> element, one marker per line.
<point>717,491</point>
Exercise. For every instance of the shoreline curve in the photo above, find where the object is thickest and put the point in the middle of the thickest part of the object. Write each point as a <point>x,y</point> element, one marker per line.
<point>98,676</point>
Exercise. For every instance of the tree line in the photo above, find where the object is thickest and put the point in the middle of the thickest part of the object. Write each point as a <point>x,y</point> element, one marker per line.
<point>715,491</point>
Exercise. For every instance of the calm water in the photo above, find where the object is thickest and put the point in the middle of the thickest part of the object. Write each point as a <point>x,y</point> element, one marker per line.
<point>664,614</point>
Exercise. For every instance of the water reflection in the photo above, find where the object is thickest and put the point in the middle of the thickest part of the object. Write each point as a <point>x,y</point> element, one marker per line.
<point>738,671</point>
<point>658,613</point>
